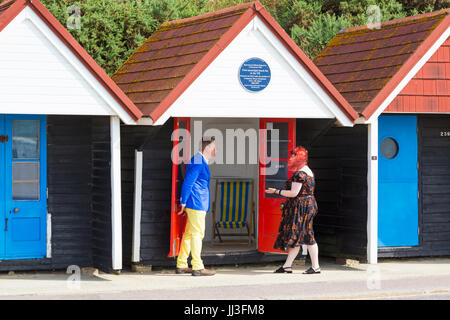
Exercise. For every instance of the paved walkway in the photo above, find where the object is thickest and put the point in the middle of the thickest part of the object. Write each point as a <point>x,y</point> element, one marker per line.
<point>390,279</point>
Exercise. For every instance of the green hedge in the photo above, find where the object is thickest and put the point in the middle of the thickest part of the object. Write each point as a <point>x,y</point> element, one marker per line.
<point>110,30</point>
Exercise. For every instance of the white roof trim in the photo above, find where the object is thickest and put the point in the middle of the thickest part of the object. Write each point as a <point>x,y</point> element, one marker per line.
<point>114,107</point>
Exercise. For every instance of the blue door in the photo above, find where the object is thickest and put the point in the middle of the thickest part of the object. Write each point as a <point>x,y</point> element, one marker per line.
<point>398,212</point>
<point>24,186</point>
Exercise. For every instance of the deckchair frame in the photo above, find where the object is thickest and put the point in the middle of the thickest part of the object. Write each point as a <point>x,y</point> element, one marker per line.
<point>250,213</point>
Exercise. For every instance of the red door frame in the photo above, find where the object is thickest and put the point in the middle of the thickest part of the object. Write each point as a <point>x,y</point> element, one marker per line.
<point>177,223</point>
<point>269,212</point>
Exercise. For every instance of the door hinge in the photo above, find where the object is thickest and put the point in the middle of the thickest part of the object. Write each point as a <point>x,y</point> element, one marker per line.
<point>418,194</point>
<point>3,138</point>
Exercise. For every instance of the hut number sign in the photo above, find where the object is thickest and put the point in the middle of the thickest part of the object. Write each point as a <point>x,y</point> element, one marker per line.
<point>254,74</point>
<point>445,133</point>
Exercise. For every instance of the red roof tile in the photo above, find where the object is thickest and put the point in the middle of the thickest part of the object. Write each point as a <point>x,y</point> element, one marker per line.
<point>365,64</point>
<point>157,73</point>
<point>5,6</point>
<point>163,61</point>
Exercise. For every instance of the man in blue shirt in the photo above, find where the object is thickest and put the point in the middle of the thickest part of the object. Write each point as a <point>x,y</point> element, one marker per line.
<point>195,201</point>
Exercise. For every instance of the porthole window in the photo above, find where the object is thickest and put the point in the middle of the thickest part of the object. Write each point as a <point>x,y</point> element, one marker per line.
<point>389,148</point>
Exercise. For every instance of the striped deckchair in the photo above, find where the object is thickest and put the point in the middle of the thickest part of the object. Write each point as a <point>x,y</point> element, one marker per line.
<point>235,201</point>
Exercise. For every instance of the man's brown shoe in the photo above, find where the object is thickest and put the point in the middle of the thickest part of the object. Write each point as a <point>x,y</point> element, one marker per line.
<point>183,270</point>
<point>203,272</point>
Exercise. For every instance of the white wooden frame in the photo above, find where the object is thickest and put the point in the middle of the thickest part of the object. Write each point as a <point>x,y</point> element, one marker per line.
<point>372,192</point>
<point>136,245</point>
<point>116,194</point>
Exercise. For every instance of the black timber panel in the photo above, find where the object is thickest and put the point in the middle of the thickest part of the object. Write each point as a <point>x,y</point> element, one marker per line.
<point>131,138</point>
<point>156,144</point>
<point>101,194</point>
<point>338,158</point>
<point>156,195</point>
<point>69,188</point>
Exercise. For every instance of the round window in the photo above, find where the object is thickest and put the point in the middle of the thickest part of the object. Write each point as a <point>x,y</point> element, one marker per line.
<point>389,148</point>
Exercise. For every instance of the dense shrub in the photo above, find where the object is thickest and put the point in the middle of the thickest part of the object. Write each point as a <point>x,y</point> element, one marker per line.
<point>110,30</point>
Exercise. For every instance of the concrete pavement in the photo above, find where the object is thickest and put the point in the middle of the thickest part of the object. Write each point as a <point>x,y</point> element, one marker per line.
<point>390,279</point>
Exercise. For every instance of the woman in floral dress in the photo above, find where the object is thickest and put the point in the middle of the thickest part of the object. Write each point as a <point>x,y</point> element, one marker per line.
<point>296,227</point>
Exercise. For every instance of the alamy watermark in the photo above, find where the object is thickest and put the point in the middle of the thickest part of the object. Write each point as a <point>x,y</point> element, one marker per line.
<point>373,277</point>
<point>374,19</point>
<point>74,279</point>
<point>74,20</point>
<point>238,146</point>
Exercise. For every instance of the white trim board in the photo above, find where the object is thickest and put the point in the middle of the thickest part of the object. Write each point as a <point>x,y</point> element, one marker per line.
<point>39,74</point>
<point>116,194</point>
<point>372,193</point>
<point>291,93</point>
<point>136,245</point>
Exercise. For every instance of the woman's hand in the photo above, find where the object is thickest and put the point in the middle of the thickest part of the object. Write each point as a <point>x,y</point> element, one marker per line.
<point>271,190</point>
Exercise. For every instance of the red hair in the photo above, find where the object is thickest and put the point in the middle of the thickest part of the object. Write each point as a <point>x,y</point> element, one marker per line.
<point>298,158</point>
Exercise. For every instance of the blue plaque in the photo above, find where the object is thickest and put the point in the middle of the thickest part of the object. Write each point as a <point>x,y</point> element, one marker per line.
<point>254,74</point>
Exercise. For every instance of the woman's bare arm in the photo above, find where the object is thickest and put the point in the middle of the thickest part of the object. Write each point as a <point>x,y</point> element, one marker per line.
<point>295,189</point>
<point>292,193</point>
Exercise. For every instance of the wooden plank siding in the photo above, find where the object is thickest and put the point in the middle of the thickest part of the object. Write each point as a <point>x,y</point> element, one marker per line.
<point>78,195</point>
<point>131,138</point>
<point>338,158</point>
<point>156,194</point>
<point>101,194</point>
<point>69,186</point>
<point>434,189</point>
<point>155,141</point>
<point>429,90</point>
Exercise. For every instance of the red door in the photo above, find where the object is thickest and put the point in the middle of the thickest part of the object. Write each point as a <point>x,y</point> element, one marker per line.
<point>269,177</point>
<point>180,156</point>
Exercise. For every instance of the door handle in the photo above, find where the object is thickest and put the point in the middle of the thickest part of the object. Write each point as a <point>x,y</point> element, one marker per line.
<point>15,210</point>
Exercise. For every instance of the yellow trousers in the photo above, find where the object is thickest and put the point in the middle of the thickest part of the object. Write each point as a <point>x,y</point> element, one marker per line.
<point>192,240</point>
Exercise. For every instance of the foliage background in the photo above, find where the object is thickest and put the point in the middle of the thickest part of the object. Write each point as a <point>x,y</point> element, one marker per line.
<point>111,30</point>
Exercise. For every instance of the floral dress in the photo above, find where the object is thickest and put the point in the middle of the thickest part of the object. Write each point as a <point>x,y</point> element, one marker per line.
<point>296,227</point>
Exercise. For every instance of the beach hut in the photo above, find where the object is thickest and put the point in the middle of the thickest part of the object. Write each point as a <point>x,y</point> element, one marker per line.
<point>229,71</point>
<point>60,115</point>
<point>397,77</point>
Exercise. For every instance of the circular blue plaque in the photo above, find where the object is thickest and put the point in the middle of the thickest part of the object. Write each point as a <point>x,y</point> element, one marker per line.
<point>254,74</point>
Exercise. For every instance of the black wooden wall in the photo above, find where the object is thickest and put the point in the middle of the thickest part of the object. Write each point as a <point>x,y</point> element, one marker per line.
<point>434,190</point>
<point>101,194</point>
<point>69,189</point>
<point>156,191</point>
<point>338,158</point>
<point>434,155</point>
<point>156,195</point>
